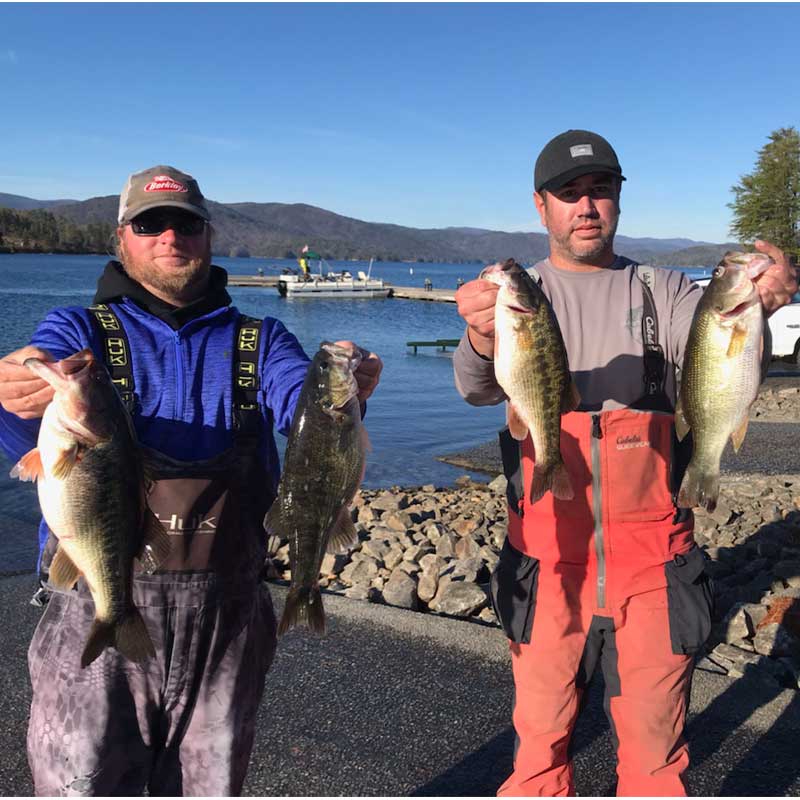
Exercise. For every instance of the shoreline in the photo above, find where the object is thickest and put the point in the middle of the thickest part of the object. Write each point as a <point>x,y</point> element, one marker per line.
<point>432,549</point>
<point>778,403</point>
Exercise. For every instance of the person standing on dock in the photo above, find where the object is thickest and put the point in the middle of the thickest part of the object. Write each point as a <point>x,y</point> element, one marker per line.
<point>614,575</point>
<point>205,386</point>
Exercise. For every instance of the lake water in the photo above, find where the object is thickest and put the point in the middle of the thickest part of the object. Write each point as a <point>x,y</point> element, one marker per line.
<point>416,413</point>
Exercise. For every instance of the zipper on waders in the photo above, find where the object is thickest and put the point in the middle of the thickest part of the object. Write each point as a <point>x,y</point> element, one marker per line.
<point>597,511</point>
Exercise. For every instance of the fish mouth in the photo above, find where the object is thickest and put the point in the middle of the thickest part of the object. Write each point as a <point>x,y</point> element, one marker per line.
<point>751,299</point>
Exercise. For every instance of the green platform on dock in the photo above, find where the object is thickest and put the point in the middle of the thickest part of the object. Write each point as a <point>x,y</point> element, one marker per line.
<point>442,343</point>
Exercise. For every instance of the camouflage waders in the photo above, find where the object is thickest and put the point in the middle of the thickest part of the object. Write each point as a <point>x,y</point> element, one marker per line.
<point>182,723</point>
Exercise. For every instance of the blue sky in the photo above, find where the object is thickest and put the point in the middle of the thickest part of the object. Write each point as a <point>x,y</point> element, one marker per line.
<point>426,115</point>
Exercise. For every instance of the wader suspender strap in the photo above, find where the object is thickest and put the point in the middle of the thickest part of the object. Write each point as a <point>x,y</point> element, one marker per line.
<point>654,365</point>
<point>246,413</point>
<point>116,352</point>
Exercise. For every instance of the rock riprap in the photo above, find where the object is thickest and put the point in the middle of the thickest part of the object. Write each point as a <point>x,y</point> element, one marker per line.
<point>432,550</point>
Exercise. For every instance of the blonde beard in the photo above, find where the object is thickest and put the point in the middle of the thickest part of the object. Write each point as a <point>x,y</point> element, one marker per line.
<point>177,288</point>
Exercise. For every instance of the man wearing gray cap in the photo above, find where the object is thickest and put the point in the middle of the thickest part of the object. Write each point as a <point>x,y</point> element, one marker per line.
<point>612,576</point>
<point>205,386</point>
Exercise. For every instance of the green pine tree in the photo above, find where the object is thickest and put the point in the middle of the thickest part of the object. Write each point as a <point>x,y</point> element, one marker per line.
<point>767,204</point>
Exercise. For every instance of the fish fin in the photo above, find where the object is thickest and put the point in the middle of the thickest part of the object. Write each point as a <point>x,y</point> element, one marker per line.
<point>273,523</point>
<point>132,638</point>
<point>682,426</point>
<point>699,488</point>
<point>63,572</point>
<point>517,427</point>
<point>571,399</point>
<point>29,467</point>
<point>303,608</point>
<point>737,437</point>
<point>367,445</point>
<point>129,636</point>
<point>148,472</point>
<point>156,544</point>
<point>738,339</point>
<point>343,532</point>
<point>562,485</point>
<point>66,461</point>
<point>541,481</point>
<point>101,636</point>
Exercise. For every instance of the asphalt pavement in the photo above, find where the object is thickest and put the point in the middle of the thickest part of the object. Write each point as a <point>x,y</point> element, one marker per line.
<point>397,703</point>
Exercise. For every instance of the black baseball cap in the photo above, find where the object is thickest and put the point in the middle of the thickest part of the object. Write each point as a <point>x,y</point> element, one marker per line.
<point>572,154</point>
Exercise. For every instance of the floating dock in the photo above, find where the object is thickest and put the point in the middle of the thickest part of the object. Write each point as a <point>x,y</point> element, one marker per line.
<point>399,292</point>
<point>441,344</point>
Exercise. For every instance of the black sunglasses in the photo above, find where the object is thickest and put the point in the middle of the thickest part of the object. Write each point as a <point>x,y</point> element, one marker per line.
<point>153,224</point>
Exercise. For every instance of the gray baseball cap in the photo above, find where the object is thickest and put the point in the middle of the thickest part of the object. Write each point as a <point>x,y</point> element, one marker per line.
<point>157,187</point>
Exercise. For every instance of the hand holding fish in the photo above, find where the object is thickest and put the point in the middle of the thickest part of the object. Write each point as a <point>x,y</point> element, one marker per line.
<point>21,391</point>
<point>778,283</point>
<point>476,302</point>
<point>367,373</point>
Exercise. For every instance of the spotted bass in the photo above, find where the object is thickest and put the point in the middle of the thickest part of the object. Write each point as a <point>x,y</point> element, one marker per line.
<point>721,372</point>
<point>530,364</point>
<point>92,492</point>
<point>323,468</point>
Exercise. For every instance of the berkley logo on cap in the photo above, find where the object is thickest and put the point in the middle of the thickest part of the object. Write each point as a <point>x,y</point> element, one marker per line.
<point>163,183</point>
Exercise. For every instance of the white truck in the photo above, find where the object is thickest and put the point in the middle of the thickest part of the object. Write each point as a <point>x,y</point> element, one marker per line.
<point>784,325</point>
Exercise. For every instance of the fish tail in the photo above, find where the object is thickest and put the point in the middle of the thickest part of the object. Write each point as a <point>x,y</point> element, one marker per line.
<point>699,488</point>
<point>100,636</point>
<point>132,638</point>
<point>541,481</point>
<point>129,636</point>
<point>303,607</point>
<point>562,485</point>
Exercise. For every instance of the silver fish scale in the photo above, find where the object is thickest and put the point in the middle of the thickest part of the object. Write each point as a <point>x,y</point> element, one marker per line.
<point>102,504</point>
<point>717,390</point>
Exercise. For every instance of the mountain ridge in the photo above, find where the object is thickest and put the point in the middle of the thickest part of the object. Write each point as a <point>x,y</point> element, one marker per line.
<point>270,230</point>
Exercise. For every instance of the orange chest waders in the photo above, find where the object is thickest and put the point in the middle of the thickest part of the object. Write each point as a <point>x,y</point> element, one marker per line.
<point>612,576</point>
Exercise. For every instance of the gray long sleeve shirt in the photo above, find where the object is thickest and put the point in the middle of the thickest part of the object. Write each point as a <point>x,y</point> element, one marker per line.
<point>600,316</point>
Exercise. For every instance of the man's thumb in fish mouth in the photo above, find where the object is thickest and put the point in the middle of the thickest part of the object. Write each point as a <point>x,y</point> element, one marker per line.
<point>19,357</point>
<point>21,392</point>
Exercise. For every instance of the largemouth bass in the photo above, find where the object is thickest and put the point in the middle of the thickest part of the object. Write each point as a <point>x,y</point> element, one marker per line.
<point>721,373</point>
<point>530,364</point>
<point>91,487</point>
<point>323,468</point>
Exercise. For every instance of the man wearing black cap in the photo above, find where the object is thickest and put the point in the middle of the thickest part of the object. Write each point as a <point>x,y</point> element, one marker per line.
<point>205,386</point>
<point>612,576</point>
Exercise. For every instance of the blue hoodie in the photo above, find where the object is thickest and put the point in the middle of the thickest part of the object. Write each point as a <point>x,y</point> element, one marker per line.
<point>183,380</point>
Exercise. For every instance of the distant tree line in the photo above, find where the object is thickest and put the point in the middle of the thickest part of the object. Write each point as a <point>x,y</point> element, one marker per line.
<point>42,232</point>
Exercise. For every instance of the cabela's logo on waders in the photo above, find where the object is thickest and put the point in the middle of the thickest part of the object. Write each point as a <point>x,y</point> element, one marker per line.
<point>629,442</point>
